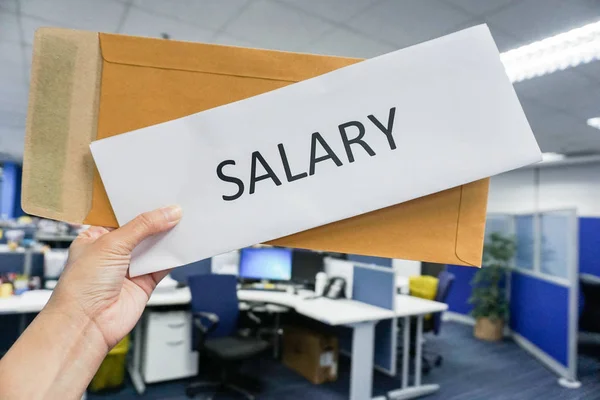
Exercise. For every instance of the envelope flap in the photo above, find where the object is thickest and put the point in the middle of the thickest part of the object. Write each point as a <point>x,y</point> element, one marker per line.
<point>216,59</point>
<point>61,122</point>
<point>470,230</point>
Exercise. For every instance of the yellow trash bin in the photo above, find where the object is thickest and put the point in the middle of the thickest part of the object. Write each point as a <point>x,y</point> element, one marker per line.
<point>111,373</point>
<point>423,286</point>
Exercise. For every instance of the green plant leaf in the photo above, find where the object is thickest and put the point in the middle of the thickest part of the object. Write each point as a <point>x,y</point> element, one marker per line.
<point>488,296</point>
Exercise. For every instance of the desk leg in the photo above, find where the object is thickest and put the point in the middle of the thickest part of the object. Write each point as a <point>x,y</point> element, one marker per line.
<point>135,366</point>
<point>22,323</point>
<point>405,352</point>
<point>419,352</point>
<point>417,390</point>
<point>361,374</point>
<point>276,336</point>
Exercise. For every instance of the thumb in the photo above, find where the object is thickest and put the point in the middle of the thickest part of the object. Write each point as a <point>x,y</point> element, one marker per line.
<point>145,225</point>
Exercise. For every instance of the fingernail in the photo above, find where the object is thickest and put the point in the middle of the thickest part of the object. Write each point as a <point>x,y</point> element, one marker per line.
<point>172,213</point>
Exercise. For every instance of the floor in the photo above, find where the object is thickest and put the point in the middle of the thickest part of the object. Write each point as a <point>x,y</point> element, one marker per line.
<point>472,370</point>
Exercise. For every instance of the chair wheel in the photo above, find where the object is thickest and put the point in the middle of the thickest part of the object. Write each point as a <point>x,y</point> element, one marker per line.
<point>438,361</point>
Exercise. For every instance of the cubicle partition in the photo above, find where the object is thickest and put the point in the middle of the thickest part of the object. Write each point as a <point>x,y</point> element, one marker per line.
<point>543,285</point>
<point>182,273</point>
<point>458,297</point>
<point>544,289</point>
<point>369,260</point>
<point>374,285</point>
<point>589,246</point>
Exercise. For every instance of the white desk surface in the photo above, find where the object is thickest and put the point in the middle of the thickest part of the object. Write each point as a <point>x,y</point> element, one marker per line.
<point>331,312</point>
<point>33,301</point>
<point>410,305</point>
<point>28,302</point>
<point>170,297</point>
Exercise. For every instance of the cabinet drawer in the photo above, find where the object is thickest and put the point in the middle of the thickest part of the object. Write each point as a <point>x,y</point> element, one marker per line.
<point>171,325</point>
<point>167,347</point>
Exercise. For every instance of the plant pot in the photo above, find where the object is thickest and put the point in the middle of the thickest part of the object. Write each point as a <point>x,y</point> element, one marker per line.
<point>490,330</point>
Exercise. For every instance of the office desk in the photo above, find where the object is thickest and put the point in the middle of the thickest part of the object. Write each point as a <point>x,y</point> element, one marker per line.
<point>35,300</point>
<point>361,317</point>
<point>29,302</point>
<point>407,307</point>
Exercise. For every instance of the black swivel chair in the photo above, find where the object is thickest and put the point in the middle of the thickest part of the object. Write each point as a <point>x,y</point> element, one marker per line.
<point>433,324</point>
<point>215,311</point>
<point>589,319</point>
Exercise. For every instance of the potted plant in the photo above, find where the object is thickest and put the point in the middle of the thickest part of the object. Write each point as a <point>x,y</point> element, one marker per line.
<point>489,299</point>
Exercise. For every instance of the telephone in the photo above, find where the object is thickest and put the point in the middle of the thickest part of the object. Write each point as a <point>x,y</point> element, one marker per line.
<point>335,288</point>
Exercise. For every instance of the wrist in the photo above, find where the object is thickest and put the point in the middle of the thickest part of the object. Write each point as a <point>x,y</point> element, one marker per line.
<point>69,348</point>
<point>69,317</point>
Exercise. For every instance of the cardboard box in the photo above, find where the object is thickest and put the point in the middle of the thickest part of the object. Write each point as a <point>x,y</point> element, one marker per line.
<point>89,85</point>
<point>312,354</point>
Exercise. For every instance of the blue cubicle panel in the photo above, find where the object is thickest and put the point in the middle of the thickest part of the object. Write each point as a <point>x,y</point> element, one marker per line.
<point>10,197</point>
<point>461,289</point>
<point>589,246</point>
<point>15,262</point>
<point>379,261</point>
<point>202,267</point>
<point>11,262</point>
<point>539,312</point>
<point>376,286</point>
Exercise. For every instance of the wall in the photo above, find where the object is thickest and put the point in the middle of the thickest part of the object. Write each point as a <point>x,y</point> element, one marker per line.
<point>543,189</point>
<point>406,268</point>
<point>10,201</point>
<point>547,188</point>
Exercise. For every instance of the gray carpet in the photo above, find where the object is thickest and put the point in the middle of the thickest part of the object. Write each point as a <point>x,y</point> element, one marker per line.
<point>472,370</point>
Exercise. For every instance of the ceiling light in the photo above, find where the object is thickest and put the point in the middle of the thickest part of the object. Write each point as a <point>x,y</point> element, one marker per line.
<point>548,157</point>
<point>565,50</point>
<point>594,122</point>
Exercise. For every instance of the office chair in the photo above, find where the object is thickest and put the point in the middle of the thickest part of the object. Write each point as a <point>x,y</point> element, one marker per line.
<point>434,323</point>
<point>215,312</point>
<point>589,319</point>
<point>445,280</point>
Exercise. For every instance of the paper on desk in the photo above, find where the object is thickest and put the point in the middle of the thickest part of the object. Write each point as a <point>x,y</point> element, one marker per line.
<point>416,121</point>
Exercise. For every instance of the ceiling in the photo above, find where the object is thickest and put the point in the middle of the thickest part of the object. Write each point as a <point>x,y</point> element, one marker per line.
<point>557,105</point>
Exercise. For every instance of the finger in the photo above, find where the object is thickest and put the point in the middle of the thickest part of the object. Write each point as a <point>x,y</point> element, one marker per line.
<point>145,225</point>
<point>84,239</point>
<point>91,234</point>
<point>148,282</point>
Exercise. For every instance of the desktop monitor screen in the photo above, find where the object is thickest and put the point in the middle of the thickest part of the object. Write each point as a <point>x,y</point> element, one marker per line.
<point>267,263</point>
<point>306,265</point>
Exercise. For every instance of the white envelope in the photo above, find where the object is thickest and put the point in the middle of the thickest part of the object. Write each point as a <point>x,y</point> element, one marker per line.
<point>436,115</point>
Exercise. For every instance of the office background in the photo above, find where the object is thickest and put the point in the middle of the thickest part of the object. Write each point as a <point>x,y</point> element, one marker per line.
<point>552,210</point>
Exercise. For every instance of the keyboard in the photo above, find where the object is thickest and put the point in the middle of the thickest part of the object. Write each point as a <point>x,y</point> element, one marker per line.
<point>275,289</point>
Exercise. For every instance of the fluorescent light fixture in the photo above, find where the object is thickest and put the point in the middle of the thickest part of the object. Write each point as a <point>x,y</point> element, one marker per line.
<point>594,122</point>
<point>548,157</point>
<point>565,50</point>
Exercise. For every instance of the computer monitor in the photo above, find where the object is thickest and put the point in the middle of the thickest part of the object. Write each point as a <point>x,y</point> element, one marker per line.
<point>306,265</point>
<point>266,263</point>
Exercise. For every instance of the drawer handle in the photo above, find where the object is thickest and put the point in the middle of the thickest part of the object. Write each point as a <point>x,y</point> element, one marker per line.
<point>180,325</point>
<point>177,343</point>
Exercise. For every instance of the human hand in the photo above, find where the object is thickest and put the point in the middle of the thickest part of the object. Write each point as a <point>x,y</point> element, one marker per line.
<point>95,283</point>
